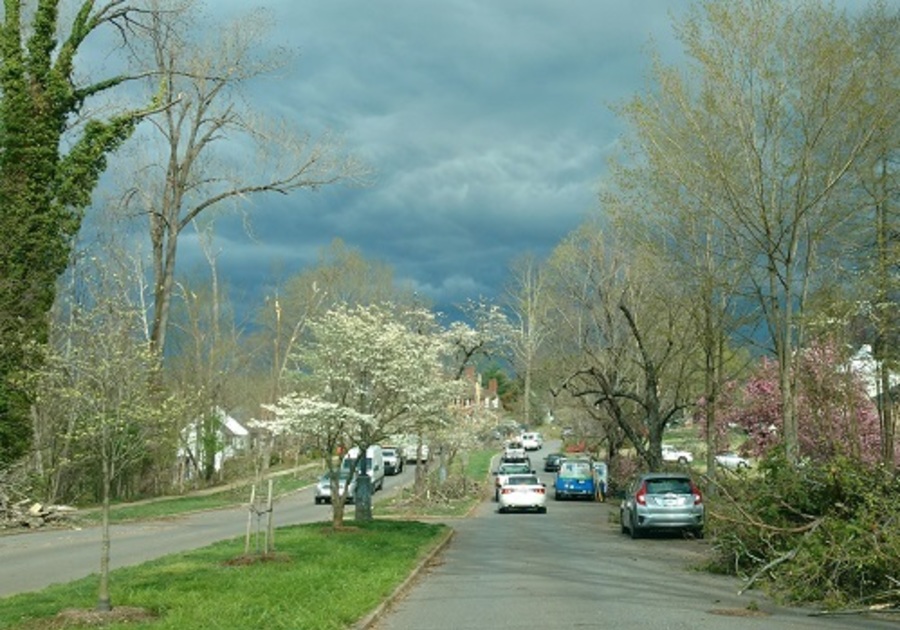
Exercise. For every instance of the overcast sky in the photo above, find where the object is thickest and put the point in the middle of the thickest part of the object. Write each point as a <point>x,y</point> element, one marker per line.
<point>487,122</point>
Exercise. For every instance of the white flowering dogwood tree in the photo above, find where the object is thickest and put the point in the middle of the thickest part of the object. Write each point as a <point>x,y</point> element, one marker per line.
<point>365,373</point>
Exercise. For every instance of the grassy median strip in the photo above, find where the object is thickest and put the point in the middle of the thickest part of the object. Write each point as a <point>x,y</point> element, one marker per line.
<point>318,578</point>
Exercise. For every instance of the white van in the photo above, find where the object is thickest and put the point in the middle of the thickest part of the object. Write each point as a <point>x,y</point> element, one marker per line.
<point>374,464</point>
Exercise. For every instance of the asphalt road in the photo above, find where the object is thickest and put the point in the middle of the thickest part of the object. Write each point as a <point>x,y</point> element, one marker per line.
<point>31,561</point>
<point>573,568</point>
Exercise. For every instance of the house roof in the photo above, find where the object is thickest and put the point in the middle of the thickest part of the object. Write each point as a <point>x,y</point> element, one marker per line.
<point>231,425</point>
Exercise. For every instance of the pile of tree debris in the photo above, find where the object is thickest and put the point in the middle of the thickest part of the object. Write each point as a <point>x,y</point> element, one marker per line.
<point>32,515</point>
<point>18,511</point>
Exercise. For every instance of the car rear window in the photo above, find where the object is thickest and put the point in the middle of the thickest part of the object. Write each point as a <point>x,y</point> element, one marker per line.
<point>576,470</point>
<point>523,480</point>
<point>666,486</point>
<point>512,470</point>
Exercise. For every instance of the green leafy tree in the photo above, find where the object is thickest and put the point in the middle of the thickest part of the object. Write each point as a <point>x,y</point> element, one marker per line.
<point>51,155</point>
<point>97,370</point>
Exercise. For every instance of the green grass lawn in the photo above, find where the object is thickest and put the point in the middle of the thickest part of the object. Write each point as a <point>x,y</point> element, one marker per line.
<point>318,578</point>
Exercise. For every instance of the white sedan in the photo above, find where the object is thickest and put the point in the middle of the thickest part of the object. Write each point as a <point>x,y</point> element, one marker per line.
<point>672,454</point>
<point>523,492</point>
<point>732,461</point>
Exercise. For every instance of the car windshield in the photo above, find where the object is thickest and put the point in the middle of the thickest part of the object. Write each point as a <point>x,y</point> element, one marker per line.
<point>666,486</point>
<point>575,470</point>
<point>387,452</point>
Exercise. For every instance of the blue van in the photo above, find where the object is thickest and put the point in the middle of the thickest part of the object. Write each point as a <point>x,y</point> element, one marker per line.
<point>575,480</point>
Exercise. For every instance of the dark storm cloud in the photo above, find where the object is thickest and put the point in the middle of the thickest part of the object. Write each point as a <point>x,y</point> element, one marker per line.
<point>487,123</point>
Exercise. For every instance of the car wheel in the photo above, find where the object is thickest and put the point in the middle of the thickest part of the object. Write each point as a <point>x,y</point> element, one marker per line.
<point>634,530</point>
<point>698,533</point>
<point>501,510</point>
<point>542,510</point>
<point>318,500</point>
<point>682,460</point>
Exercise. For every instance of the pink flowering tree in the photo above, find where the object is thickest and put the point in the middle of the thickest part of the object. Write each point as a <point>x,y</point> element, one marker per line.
<point>835,415</point>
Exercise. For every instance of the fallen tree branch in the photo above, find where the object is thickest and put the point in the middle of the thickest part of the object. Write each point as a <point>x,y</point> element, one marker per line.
<point>874,608</point>
<point>780,559</point>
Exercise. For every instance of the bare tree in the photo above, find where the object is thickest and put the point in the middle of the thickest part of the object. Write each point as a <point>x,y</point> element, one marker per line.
<point>635,343</point>
<point>528,304</point>
<point>204,136</point>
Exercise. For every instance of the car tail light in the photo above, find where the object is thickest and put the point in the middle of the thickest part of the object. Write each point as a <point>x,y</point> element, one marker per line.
<point>540,490</point>
<point>641,496</point>
<point>507,490</point>
<point>698,498</point>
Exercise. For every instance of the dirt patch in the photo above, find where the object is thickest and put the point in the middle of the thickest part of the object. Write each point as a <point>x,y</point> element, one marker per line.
<point>90,618</point>
<point>249,559</point>
<point>739,612</point>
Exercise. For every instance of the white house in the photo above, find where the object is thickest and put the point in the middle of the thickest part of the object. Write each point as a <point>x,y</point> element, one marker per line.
<point>230,439</point>
<point>864,364</point>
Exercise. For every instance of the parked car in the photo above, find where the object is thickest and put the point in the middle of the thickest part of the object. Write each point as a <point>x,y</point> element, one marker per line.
<point>505,470</point>
<point>523,492</point>
<point>575,479</point>
<point>732,461</point>
<point>394,459</point>
<point>662,501</point>
<point>514,451</point>
<point>551,462</point>
<point>323,488</point>
<point>676,455</point>
<point>532,441</point>
<point>410,445</point>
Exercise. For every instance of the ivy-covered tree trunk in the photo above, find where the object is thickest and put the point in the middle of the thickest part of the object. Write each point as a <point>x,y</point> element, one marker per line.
<point>44,188</point>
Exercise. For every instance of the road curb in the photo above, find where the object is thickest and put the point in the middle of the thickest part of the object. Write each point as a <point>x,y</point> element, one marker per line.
<point>368,621</point>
